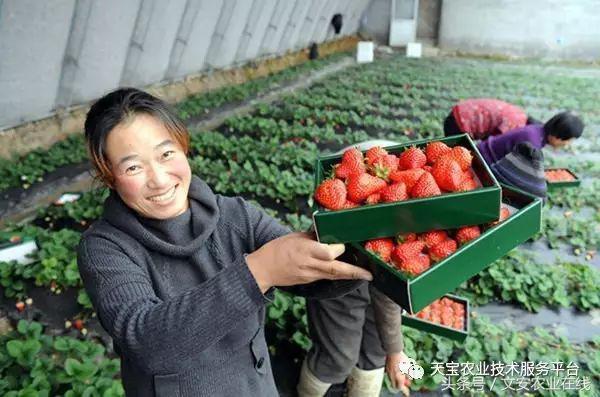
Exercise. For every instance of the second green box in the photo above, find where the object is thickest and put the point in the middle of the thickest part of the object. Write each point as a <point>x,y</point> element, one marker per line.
<point>414,293</point>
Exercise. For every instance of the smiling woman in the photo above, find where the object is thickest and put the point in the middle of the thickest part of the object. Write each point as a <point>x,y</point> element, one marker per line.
<point>179,276</point>
<point>152,173</point>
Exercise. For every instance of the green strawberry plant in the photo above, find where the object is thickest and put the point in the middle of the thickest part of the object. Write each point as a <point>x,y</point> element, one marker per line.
<point>33,363</point>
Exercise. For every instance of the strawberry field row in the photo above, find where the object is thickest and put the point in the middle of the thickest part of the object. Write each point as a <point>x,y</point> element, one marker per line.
<point>34,363</point>
<point>202,103</point>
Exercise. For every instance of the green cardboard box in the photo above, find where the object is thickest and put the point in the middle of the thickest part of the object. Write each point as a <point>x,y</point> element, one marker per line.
<point>439,329</point>
<point>565,184</point>
<point>414,293</point>
<point>446,211</point>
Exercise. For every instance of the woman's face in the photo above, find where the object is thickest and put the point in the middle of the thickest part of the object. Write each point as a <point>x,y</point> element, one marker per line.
<point>152,174</point>
<point>557,142</point>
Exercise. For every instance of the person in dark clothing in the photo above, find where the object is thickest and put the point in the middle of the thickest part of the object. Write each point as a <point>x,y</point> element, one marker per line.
<point>337,22</point>
<point>178,275</point>
<point>524,169</point>
<point>356,337</point>
<point>482,118</point>
<point>563,128</point>
<point>313,51</point>
<point>559,131</point>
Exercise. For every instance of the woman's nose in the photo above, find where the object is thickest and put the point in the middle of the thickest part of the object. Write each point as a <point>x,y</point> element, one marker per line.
<point>159,177</point>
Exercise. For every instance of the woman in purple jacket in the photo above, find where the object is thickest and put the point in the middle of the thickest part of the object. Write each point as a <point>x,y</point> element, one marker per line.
<point>559,131</point>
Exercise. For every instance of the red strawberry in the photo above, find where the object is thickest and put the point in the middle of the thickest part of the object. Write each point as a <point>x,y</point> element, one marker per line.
<point>412,157</point>
<point>463,156</point>
<point>402,238</point>
<point>416,264</point>
<point>459,323</point>
<point>331,194</point>
<point>458,308</point>
<point>447,317</point>
<point>504,213</point>
<point>466,185</point>
<point>446,301</point>
<point>78,324</point>
<point>427,168</point>
<point>385,165</point>
<point>361,186</point>
<point>442,250</point>
<point>394,192</point>
<point>407,250</point>
<point>433,237</point>
<point>426,310</point>
<point>447,173</point>
<point>423,315</point>
<point>352,162</point>
<point>373,198</point>
<point>381,247</point>
<point>436,149</point>
<point>20,306</point>
<point>350,204</point>
<point>425,187</point>
<point>374,154</point>
<point>408,177</point>
<point>467,233</point>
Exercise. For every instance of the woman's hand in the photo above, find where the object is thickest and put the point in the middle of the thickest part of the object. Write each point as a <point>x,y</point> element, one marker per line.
<point>399,380</point>
<point>297,258</point>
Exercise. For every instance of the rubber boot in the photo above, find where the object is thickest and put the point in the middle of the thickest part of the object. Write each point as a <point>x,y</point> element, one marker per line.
<point>365,383</point>
<point>309,385</point>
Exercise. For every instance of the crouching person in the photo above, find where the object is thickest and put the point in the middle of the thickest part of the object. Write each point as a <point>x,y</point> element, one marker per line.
<point>355,337</point>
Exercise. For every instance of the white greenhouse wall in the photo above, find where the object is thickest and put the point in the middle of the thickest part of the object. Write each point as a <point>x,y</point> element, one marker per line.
<point>60,53</point>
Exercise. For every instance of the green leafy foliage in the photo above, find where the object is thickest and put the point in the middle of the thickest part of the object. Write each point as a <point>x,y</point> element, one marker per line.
<point>269,156</point>
<point>517,279</point>
<point>492,343</point>
<point>33,363</point>
<point>32,167</point>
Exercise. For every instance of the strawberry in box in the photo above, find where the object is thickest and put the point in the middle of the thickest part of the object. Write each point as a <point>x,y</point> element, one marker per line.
<point>414,269</point>
<point>561,178</point>
<point>447,316</point>
<point>445,312</point>
<point>381,177</point>
<point>414,253</point>
<point>419,186</point>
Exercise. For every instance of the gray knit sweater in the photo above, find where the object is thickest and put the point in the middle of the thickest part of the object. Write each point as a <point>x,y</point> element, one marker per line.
<point>185,313</point>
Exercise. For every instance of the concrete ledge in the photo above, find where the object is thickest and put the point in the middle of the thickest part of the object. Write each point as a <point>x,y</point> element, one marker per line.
<point>45,132</point>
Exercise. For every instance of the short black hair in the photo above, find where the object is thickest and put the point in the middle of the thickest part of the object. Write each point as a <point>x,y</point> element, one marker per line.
<point>120,106</point>
<point>564,125</point>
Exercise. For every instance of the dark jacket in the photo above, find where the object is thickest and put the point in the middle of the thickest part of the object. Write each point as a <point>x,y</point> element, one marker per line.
<point>185,314</point>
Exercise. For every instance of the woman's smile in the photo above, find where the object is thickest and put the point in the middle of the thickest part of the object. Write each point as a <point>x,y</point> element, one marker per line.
<point>152,173</point>
<point>165,198</point>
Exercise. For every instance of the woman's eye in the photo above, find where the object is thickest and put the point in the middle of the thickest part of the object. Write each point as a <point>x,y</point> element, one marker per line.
<point>168,154</point>
<point>132,168</point>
